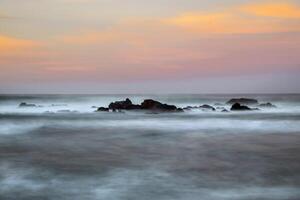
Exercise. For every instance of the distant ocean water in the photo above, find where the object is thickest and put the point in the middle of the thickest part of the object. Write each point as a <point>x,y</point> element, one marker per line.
<point>48,153</point>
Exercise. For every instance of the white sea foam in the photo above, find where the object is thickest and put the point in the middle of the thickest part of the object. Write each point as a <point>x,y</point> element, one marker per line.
<point>9,128</point>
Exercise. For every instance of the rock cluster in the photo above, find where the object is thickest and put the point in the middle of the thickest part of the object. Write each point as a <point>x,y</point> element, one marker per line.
<point>123,105</point>
<point>237,104</point>
<point>242,104</point>
<point>148,105</point>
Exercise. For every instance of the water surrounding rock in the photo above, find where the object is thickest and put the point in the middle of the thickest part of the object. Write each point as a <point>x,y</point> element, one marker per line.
<point>67,111</point>
<point>59,105</point>
<point>219,104</point>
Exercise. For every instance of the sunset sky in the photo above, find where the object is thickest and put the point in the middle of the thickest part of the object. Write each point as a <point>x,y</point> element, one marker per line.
<point>142,46</point>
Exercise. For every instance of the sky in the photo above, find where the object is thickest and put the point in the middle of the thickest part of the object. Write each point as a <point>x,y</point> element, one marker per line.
<point>142,46</point>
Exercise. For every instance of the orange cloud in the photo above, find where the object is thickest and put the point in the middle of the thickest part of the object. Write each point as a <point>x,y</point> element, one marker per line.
<point>279,10</point>
<point>204,22</point>
<point>241,19</point>
<point>10,44</point>
<point>3,16</point>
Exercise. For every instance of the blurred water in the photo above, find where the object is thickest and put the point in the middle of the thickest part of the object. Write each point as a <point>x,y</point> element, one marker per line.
<point>191,155</point>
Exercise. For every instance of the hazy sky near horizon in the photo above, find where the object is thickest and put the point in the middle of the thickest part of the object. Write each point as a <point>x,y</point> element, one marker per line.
<point>158,46</point>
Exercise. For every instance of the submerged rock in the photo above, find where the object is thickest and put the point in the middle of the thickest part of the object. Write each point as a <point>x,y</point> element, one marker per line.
<point>190,107</point>
<point>267,105</point>
<point>239,107</point>
<point>224,110</point>
<point>208,107</point>
<point>180,110</point>
<point>49,112</point>
<point>102,109</point>
<point>244,101</point>
<point>24,104</point>
<point>59,105</point>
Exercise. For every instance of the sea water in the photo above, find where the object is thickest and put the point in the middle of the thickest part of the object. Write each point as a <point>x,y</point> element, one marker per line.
<point>63,149</point>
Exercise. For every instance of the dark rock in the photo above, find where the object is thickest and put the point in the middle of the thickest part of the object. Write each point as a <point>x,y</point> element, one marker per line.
<point>23,104</point>
<point>205,106</point>
<point>150,104</point>
<point>102,109</point>
<point>239,107</point>
<point>267,105</point>
<point>224,110</point>
<point>120,104</point>
<point>133,107</point>
<point>123,105</point>
<point>244,101</point>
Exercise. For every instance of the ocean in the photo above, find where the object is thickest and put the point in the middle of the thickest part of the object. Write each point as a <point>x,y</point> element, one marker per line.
<point>63,150</point>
